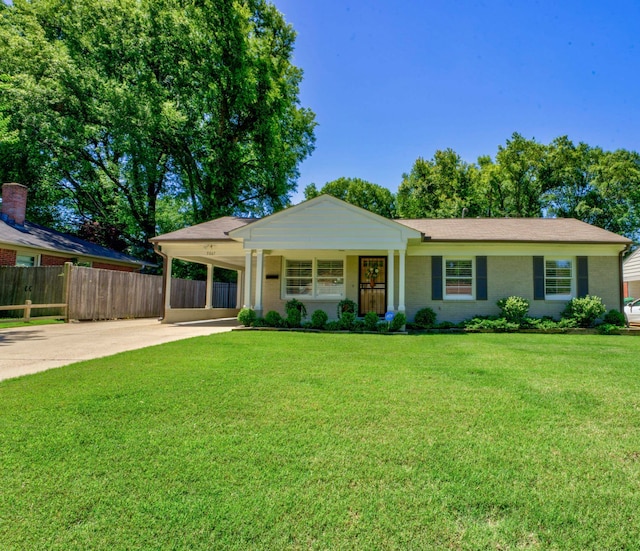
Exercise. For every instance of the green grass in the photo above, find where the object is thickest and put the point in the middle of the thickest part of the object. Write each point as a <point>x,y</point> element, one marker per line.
<point>251,440</point>
<point>9,323</point>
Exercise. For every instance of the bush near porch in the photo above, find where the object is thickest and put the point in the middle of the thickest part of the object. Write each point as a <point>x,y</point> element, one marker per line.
<point>252,440</point>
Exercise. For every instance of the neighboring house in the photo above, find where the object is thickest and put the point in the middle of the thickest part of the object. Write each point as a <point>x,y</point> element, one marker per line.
<point>23,243</point>
<point>324,250</point>
<point>631,275</point>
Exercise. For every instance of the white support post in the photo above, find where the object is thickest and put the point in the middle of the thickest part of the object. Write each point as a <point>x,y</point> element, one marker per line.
<point>401,305</point>
<point>247,278</point>
<point>167,283</point>
<point>390,281</point>
<point>239,286</point>
<point>259,272</point>
<point>209,288</point>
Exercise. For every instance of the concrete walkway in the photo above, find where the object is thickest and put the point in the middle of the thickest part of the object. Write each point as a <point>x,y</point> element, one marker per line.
<point>27,349</point>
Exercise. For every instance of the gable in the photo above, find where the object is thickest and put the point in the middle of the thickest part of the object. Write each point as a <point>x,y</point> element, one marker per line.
<point>324,223</point>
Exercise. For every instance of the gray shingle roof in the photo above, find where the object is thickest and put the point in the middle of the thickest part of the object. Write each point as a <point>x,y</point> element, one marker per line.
<point>39,237</point>
<point>207,231</point>
<point>532,230</point>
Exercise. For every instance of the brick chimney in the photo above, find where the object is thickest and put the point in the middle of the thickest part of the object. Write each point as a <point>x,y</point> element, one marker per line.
<point>14,203</point>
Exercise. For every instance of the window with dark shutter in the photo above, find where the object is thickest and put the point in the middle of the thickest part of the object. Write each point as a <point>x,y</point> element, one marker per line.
<point>481,278</point>
<point>436,278</point>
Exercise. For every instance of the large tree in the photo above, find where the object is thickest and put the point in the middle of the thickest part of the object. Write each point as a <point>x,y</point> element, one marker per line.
<point>443,187</point>
<point>124,108</point>
<point>361,193</point>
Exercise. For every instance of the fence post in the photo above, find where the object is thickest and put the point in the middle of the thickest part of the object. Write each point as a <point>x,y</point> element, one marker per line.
<point>68,266</point>
<point>27,310</point>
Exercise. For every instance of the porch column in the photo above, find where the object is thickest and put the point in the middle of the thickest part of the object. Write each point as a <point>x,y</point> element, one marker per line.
<point>402,255</point>
<point>390,280</point>
<point>239,287</point>
<point>167,283</point>
<point>247,279</point>
<point>209,292</point>
<point>259,271</point>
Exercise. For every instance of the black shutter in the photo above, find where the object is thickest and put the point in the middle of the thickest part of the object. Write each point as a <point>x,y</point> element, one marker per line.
<point>481,278</point>
<point>436,278</point>
<point>583,276</point>
<point>538,278</point>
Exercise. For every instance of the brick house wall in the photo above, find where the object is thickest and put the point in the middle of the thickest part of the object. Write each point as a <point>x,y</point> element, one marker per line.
<point>105,266</point>
<point>49,260</point>
<point>8,257</point>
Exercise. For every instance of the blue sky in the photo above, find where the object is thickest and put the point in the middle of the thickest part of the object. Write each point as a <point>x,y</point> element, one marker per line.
<point>391,81</point>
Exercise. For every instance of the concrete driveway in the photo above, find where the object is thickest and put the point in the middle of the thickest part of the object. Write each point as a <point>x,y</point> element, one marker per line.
<point>26,349</point>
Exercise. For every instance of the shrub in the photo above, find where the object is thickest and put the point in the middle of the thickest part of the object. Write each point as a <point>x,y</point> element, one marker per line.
<point>425,318</point>
<point>295,303</point>
<point>294,317</point>
<point>319,319</point>
<point>333,326</point>
<point>584,311</point>
<point>347,321</point>
<point>260,322</point>
<point>608,329</point>
<point>399,320</point>
<point>614,317</point>
<point>346,305</point>
<point>273,319</point>
<point>514,309</point>
<point>247,317</point>
<point>371,320</point>
<point>499,325</point>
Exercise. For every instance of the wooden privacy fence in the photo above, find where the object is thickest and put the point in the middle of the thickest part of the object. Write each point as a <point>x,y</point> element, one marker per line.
<point>76,292</point>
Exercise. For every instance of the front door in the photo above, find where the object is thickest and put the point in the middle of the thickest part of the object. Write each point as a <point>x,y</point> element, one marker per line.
<point>373,285</point>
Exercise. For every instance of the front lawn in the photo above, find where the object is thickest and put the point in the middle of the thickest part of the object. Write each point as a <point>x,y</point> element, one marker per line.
<point>263,440</point>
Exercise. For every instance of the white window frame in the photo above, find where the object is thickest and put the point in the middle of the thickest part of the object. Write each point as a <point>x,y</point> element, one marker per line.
<point>444,278</point>
<point>36,257</point>
<point>314,278</point>
<point>572,292</point>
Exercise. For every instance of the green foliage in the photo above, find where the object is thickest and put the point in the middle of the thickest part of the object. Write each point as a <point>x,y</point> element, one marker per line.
<point>112,107</point>
<point>398,322</point>
<point>514,309</point>
<point>346,305</point>
<point>347,321</point>
<point>333,325</point>
<point>274,319</point>
<point>608,329</point>
<point>360,193</point>
<point>499,325</point>
<point>614,317</point>
<point>247,317</point>
<point>425,318</point>
<point>371,320</point>
<point>319,319</point>
<point>295,303</point>
<point>440,188</point>
<point>294,317</point>
<point>584,311</point>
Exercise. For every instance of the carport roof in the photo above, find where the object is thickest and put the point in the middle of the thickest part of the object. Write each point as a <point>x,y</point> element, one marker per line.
<point>213,230</point>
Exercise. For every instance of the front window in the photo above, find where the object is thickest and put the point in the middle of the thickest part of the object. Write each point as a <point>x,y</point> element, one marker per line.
<point>458,278</point>
<point>314,278</point>
<point>558,279</point>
